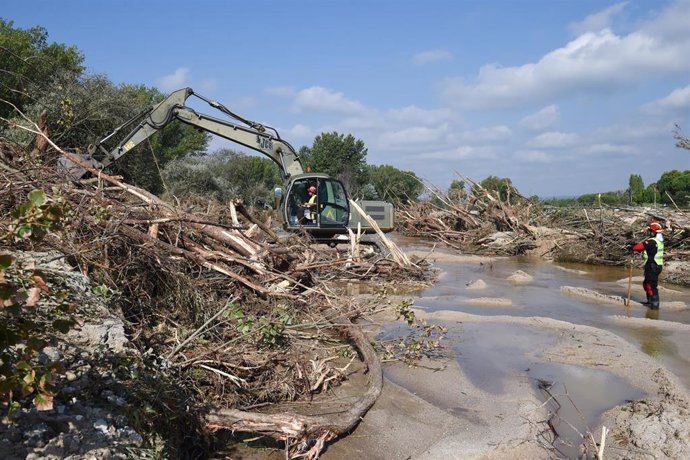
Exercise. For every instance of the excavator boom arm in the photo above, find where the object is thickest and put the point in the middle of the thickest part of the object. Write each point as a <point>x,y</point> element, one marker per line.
<point>252,135</point>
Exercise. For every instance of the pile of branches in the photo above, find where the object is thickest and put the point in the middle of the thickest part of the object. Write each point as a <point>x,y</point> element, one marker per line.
<point>235,319</point>
<point>483,223</point>
<point>465,223</point>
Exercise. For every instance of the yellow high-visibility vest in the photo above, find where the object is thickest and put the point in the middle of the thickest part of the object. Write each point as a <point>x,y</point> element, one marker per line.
<point>659,256</point>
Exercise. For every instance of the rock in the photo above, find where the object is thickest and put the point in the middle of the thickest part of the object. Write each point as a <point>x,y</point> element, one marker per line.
<point>520,277</point>
<point>101,425</point>
<point>110,332</point>
<point>36,437</point>
<point>48,355</point>
<point>131,436</point>
<point>476,285</point>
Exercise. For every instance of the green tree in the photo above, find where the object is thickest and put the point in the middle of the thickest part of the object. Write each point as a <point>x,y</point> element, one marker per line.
<point>29,59</point>
<point>456,191</point>
<point>674,187</point>
<point>682,142</point>
<point>636,190</point>
<point>83,110</point>
<point>339,156</point>
<point>224,175</point>
<point>392,184</point>
<point>503,187</point>
<point>607,198</point>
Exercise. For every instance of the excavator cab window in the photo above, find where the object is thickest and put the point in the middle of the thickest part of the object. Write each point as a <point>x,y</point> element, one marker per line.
<point>330,210</point>
<point>333,206</point>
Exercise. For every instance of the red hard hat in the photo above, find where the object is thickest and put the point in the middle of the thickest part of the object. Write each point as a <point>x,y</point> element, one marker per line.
<point>312,189</point>
<point>655,226</point>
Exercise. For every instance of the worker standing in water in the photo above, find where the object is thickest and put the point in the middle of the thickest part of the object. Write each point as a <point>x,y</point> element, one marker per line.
<point>652,249</point>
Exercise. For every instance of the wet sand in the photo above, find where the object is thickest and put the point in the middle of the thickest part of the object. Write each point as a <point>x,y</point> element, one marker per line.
<point>494,409</point>
<point>556,351</point>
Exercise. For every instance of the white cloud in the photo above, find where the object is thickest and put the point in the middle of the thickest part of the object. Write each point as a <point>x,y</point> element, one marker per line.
<point>208,85</point>
<point>533,156</point>
<point>462,152</point>
<point>671,24</point>
<point>322,99</point>
<point>598,21</point>
<point>298,132</point>
<point>178,79</point>
<point>634,131</point>
<point>414,136</point>
<point>280,91</point>
<point>592,62</point>
<point>366,122</point>
<point>677,101</point>
<point>554,139</point>
<point>416,115</point>
<point>607,149</point>
<point>541,120</point>
<point>485,134</point>
<point>430,56</point>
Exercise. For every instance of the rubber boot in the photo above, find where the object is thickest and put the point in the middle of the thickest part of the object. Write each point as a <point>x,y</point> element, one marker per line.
<point>654,304</point>
<point>648,302</point>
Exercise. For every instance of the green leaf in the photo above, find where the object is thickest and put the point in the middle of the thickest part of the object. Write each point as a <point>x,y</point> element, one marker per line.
<point>29,377</point>
<point>63,325</point>
<point>43,401</point>
<point>5,261</point>
<point>37,197</point>
<point>23,231</point>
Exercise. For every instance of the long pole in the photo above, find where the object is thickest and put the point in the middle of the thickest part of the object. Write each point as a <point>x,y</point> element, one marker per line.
<point>627,302</point>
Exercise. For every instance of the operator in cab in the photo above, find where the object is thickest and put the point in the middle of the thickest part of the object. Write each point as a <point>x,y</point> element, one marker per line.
<point>310,207</point>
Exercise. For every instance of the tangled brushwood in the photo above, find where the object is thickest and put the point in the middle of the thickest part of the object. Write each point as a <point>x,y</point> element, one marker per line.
<point>482,222</point>
<point>229,320</point>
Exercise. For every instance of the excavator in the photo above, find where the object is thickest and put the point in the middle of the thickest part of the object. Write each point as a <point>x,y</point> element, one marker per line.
<point>326,217</point>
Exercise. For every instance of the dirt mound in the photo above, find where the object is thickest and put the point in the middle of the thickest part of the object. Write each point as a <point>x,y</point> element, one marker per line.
<point>594,296</point>
<point>490,302</point>
<point>520,277</point>
<point>476,285</point>
<point>651,428</point>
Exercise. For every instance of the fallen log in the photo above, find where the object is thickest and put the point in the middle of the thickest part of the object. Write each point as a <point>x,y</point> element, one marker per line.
<point>298,430</point>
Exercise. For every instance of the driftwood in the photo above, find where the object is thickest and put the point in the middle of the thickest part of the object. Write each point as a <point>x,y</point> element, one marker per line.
<point>483,223</point>
<point>302,428</point>
<point>143,235</point>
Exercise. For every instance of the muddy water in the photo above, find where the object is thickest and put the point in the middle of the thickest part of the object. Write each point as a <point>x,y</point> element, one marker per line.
<point>514,350</point>
<point>542,296</point>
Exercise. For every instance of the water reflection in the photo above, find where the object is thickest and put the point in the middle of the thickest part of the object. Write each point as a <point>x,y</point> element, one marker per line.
<point>576,397</point>
<point>654,343</point>
<point>652,314</point>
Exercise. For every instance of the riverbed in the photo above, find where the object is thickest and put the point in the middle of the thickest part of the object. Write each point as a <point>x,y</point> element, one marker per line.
<point>532,369</point>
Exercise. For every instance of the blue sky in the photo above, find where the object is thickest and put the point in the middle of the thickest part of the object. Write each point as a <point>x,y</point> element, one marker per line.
<point>564,97</point>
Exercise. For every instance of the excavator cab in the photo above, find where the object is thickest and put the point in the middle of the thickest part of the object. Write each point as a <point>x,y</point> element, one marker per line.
<point>327,216</point>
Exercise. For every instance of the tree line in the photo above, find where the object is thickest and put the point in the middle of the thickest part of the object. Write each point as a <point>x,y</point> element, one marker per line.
<point>671,189</point>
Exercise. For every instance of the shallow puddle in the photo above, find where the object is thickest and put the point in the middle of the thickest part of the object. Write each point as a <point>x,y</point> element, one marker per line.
<point>496,356</point>
<point>489,354</point>
<point>576,397</point>
<point>542,297</point>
